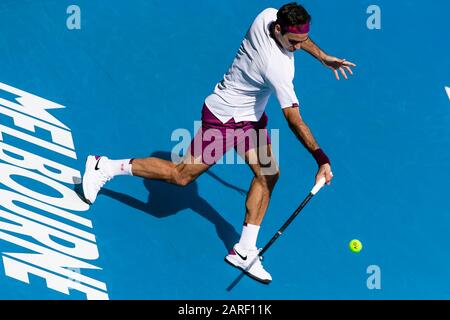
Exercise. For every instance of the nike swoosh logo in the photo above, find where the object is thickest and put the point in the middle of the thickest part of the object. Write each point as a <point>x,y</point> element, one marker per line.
<point>96,165</point>
<point>242,257</point>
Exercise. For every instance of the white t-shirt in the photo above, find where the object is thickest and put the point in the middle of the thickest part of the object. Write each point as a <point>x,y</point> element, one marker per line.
<point>259,68</point>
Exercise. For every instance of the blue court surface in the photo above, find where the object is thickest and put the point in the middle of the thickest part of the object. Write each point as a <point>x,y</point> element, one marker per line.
<point>135,71</point>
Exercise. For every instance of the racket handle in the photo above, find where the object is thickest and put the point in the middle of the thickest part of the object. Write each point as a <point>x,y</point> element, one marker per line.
<point>318,186</point>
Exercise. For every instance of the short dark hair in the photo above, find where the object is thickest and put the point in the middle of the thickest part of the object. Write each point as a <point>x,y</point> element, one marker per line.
<point>292,14</point>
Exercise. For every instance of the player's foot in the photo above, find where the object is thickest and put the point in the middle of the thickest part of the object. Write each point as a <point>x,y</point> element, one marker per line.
<point>94,177</point>
<point>241,258</point>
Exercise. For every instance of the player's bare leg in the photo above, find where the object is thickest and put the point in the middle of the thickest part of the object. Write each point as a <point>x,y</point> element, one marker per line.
<point>99,170</point>
<point>181,174</point>
<point>266,173</point>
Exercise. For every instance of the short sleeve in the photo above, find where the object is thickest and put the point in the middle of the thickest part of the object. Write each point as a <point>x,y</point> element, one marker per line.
<point>279,76</point>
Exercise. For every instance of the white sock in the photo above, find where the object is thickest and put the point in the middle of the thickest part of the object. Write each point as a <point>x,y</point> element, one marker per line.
<point>118,167</point>
<point>249,236</point>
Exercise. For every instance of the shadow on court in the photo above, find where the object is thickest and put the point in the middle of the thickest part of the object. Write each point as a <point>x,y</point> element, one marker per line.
<point>166,199</point>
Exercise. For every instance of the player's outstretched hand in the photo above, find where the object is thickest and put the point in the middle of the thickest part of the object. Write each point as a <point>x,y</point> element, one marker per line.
<point>340,65</point>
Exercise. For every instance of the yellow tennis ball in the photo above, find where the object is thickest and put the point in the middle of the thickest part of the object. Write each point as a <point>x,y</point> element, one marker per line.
<point>355,245</point>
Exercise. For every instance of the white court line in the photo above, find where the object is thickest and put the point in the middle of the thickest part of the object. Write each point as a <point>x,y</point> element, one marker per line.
<point>448,92</point>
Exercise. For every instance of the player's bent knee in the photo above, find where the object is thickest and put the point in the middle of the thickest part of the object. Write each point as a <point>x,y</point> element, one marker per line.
<point>182,183</point>
<point>182,179</point>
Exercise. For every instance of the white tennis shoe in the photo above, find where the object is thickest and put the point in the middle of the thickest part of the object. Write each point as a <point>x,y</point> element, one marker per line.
<point>241,258</point>
<point>94,177</point>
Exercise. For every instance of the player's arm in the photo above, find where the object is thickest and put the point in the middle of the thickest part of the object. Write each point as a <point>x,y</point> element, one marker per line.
<point>331,62</point>
<point>303,133</point>
<point>300,128</point>
<point>310,47</point>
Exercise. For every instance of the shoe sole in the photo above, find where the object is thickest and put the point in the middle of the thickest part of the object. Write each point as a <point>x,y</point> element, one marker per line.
<point>247,273</point>
<point>89,162</point>
<point>80,193</point>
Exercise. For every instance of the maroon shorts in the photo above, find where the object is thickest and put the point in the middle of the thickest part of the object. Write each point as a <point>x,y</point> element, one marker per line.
<point>215,138</point>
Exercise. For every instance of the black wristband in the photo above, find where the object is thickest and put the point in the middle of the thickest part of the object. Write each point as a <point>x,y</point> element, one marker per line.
<point>320,157</point>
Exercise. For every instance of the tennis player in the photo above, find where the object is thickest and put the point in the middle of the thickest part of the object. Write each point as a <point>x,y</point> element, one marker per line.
<point>234,114</point>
